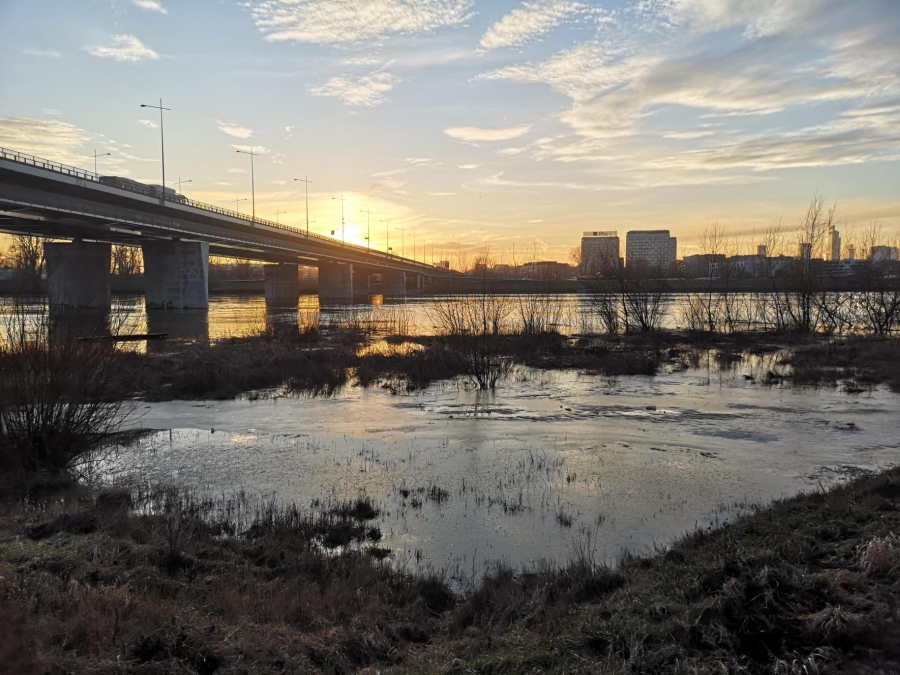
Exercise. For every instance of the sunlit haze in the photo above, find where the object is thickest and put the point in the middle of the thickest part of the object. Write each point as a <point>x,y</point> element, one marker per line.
<point>467,122</point>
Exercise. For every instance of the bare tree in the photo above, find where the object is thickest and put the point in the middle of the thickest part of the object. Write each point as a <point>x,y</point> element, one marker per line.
<point>127,260</point>
<point>26,256</point>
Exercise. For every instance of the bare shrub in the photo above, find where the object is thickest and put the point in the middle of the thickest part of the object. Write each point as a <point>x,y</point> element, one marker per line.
<point>880,556</point>
<point>58,395</point>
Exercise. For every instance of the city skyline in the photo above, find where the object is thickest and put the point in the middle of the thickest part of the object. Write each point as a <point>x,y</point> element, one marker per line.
<point>469,122</point>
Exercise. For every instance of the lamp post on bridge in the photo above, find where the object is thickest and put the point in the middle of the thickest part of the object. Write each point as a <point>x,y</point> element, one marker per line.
<point>387,235</point>
<point>237,201</point>
<point>180,182</point>
<point>252,178</point>
<point>102,154</point>
<point>162,144</point>
<point>368,213</point>
<point>342,199</point>
<point>305,180</point>
<point>278,213</point>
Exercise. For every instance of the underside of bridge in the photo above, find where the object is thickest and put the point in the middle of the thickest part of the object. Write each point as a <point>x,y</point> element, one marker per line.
<point>82,215</point>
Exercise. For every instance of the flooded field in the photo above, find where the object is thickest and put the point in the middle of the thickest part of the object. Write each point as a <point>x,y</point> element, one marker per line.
<point>464,478</point>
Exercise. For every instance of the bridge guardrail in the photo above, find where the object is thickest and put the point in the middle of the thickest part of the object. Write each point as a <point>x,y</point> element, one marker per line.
<point>57,167</point>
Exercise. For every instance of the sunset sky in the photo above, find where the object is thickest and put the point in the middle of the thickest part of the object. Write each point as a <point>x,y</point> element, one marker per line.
<point>473,121</point>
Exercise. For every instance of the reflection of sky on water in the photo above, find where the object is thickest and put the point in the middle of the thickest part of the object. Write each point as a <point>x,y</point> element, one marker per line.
<point>633,462</point>
<point>242,315</point>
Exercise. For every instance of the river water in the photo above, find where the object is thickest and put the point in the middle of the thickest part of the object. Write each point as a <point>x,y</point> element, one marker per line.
<point>464,478</point>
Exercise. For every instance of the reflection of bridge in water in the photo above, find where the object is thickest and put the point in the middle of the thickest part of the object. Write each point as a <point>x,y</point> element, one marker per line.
<point>177,236</point>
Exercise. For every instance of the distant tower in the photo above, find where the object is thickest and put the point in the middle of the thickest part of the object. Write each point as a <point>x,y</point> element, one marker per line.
<point>805,252</point>
<point>762,251</point>
<point>851,252</point>
<point>835,245</point>
<point>600,253</point>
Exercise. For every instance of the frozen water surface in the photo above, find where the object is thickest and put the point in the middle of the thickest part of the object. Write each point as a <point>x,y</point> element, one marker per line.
<point>549,458</point>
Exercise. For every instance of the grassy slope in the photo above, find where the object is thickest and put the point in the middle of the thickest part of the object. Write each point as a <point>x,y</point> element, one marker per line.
<point>797,587</point>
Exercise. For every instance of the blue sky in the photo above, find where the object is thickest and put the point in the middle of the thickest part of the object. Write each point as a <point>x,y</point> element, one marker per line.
<point>471,122</point>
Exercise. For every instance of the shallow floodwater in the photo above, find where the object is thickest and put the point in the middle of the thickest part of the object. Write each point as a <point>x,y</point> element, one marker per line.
<point>519,475</point>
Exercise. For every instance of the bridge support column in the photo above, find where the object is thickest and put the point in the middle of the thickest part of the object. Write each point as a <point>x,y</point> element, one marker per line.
<point>176,274</point>
<point>282,285</point>
<point>335,282</point>
<point>78,275</point>
<point>394,284</point>
<point>420,282</point>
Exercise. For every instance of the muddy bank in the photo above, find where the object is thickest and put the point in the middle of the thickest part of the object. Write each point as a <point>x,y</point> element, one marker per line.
<point>321,364</point>
<point>158,582</point>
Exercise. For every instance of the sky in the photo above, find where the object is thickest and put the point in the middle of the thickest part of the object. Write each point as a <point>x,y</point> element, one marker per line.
<point>474,123</point>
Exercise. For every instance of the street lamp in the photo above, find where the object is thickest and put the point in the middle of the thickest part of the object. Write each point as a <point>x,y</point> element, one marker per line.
<point>180,182</point>
<point>342,200</point>
<point>387,234</point>
<point>278,213</point>
<point>368,213</point>
<point>237,201</point>
<point>162,143</point>
<point>402,244</point>
<point>252,179</point>
<point>305,180</point>
<point>102,154</point>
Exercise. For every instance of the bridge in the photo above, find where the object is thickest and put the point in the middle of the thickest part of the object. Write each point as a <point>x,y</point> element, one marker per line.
<point>85,213</point>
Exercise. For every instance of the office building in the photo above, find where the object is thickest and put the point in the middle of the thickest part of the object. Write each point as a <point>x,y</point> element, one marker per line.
<point>834,248</point>
<point>654,248</point>
<point>885,253</point>
<point>600,253</point>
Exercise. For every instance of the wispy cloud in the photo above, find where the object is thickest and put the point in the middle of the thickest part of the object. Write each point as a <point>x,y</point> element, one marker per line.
<point>366,90</point>
<point>150,124</point>
<point>235,130</point>
<point>257,149</point>
<point>50,139</point>
<point>468,167</point>
<point>528,22</point>
<point>44,53</point>
<point>343,21</point>
<point>126,48</point>
<point>481,134</point>
<point>150,6</point>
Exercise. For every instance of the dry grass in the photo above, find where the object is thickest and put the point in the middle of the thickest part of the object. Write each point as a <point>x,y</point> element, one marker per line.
<point>87,585</point>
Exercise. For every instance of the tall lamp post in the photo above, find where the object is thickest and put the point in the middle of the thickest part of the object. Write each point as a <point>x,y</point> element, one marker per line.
<point>102,154</point>
<point>162,144</point>
<point>180,182</point>
<point>252,179</point>
<point>278,213</point>
<point>305,180</point>
<point>387,235</point>
<point>342,200</point>
<point>368,213</point>
<point>237,201</point>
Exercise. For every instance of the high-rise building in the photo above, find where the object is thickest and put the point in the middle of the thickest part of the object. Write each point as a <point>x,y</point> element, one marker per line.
<point>762,251</point>
<point>654,248</point>
<point>885,253</point>
<point>600,252</point>
<point>834,245</point>
<point>805,251</point>
<point>851,252</point>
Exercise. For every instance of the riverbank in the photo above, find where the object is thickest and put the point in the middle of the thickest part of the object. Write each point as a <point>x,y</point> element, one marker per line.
<point>310,363</point>
<point>158,582</point>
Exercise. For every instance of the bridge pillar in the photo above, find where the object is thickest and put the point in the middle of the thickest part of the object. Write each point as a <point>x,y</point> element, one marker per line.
<point>420,282</point>
<point>176,274</point>
<point>282,285</point>
<point>335,282</point>
<point>394,284</point>
<point>78,275</point>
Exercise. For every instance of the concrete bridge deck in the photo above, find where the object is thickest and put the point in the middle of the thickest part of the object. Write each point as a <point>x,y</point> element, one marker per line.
<point>177,235</point>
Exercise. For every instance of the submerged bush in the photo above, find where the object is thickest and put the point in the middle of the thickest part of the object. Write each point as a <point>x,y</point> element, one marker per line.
<point>58,395</point>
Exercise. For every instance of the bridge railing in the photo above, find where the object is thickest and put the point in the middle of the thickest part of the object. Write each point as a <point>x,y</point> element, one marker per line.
<point>39,162</point>
<point>175,198</point>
